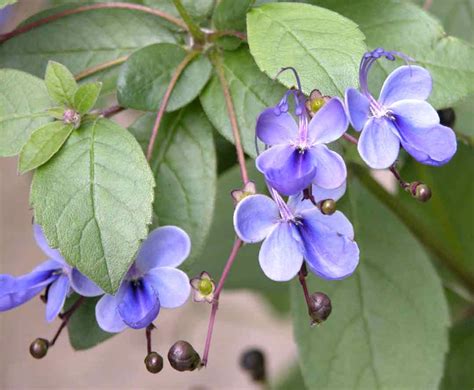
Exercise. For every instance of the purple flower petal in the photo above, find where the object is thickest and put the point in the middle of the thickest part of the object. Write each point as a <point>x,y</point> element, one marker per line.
<point>357,106</point>
<point>43,244</point>
<point>378,145</point>
<point>336,222</point>
<point>286,169</point>
<point>83,285</point>
<point>329,123</point>
<point>12,296</point>
<point>107,315</point>
<point>57,294</point>
<point>435,146</point>
<point>166,246</point>
<point>320,193</point>
<point>406,82</point>
<point>414,114</point>
<point>329,254</point>
<point>275,129</point>
<point>254,218</point>
<point>331,169</point>
<point>281,255</point>
<point>138,303</point>
<point>171,284</point>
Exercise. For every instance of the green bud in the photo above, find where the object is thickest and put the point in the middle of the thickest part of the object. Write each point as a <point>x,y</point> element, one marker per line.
<point>328,206</point>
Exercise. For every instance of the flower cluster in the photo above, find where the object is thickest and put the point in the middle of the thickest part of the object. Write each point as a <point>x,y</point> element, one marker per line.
<point>297,163</point>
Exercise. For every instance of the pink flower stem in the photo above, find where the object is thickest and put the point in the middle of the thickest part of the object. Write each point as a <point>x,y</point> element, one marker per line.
<point>215,304</point>
<point>66,316</point>
<point>164,102</point>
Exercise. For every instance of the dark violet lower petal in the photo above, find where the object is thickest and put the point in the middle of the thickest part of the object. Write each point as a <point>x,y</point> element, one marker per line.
<point>57,294</point>
<point>254,218</point>
<point>416,114</point>
<point>43,244</point>
<point>329,123</point>
<point>107,315</point>
<point>378,145</point>
<point>281,255</point>
<point>166,246</point>
<point>286,169</point>
<point>171,284</point>
<point>138,303</point>
<point>435,146</point>
<point>406,82</point>
<point>331,169</point>
<point>275,129</point>
<point>329,255</point>
<point>83,285</point>
<point>357,106</point>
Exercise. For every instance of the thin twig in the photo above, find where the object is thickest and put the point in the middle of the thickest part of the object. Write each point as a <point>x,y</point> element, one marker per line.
<point>66,316</point>
<point>164,102</point>
<point>427,4</point>
<point>302,278</point>
<point>100,67</point>
<point>228,33</point>
<point>110,111</point>
<point>232,117</point>
<point>85,8</point>
<point>350,138</point>
<point>148,330</point>
<point>192,27</point>
<point>215,304</point>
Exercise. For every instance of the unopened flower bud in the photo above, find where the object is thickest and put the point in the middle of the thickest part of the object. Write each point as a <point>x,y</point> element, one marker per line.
<point>39,348</point>
<point>203,288</point>
<point>420,191</point>
<point>72,117</point>
<point>253,361</point>
<point>183,357</point>
<point>328,206</point>
<point>319,307</point>
<point>154,362</point>
<point>447,117</point>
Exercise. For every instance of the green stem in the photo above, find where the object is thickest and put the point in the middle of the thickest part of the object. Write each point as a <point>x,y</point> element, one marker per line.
<point>193,28</point>
<point>430,242</point>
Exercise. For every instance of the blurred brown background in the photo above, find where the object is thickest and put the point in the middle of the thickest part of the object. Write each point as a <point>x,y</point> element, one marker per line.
<point>244,319</point>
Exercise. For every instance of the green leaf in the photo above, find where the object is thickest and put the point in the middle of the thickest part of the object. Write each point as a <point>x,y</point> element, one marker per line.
<point>246,272</point>
<point>43,144</point>
<point>83,40</point>
<point>251,93</point>
<point>94,200</point>
<point>184,166</point>
<point>447,217</point>
<point>458,373</point>
<point>292,381</point>
<point>230,14</point>
<point>60,83</point>
<point>84,332</point>
<point>393,24</point>
<point>145,76</point>
<point>388,327</point>
<point>24,101</point>
<point>464,123</point>
<point>86,96</point>
<point>324,47</point>
<point>4,3</point>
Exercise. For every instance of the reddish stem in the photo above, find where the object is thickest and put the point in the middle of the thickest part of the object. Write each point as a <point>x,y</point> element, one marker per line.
<point>66,316</point>
<point>111,111</point>
<point>215,304</point>
<point>302,278</point>
<point>148,330</point>
<point>350,138</point>
<point>166,98</point>
<point>226,33</point>
<point>85,8</point>
<point>232,117</point>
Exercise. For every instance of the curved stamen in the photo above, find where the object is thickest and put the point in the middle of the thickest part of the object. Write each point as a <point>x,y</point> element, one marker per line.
<point>285,211</point>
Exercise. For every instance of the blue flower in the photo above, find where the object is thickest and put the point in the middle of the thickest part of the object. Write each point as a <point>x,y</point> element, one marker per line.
<point>151,283</point>
<point>54,274</point>
<point>298,155</point>
<point>295,232</point>
<point>401,115</point>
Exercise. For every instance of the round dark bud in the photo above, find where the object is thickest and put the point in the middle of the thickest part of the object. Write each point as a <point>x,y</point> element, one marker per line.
<point>154,362</point>
<point>328,206</point>
<point>319,307</point>
<point>39,348</point>
<point>253,361</point>
<point>420,191</point>
<point>447,117</point>
<point>183,357</point>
